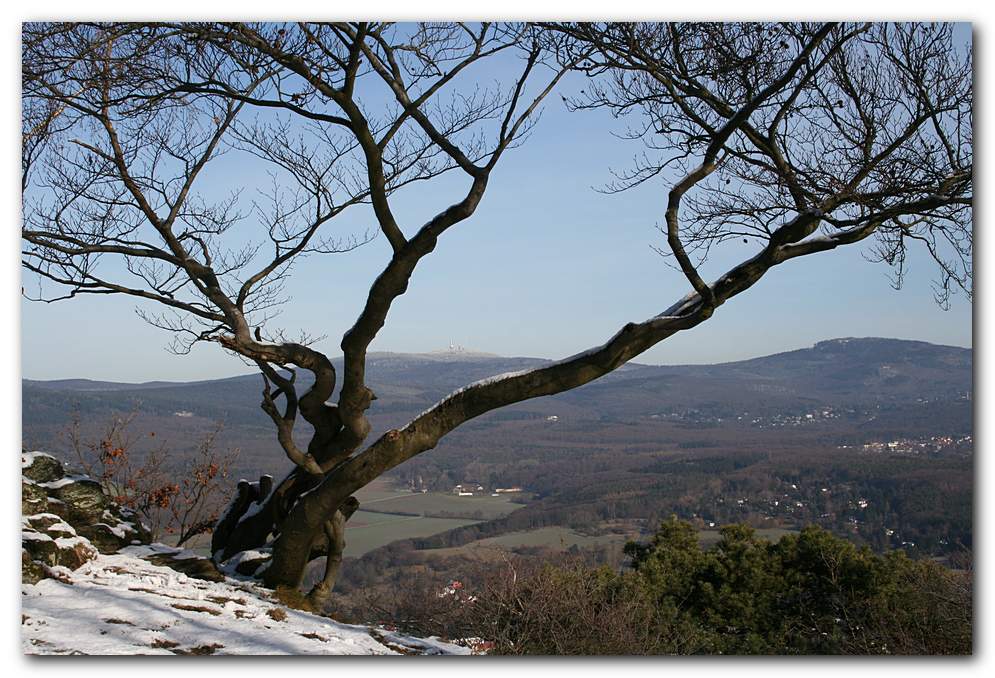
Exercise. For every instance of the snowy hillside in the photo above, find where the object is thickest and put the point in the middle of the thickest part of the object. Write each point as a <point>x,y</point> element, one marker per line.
<point>122,605</point>
<point>91,583</point>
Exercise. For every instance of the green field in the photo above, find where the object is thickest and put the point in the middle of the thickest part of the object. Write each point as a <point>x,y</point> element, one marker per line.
<point>366,530</point>
<point>379,489</point>
<point>383,523</point>
<point>383,499</point>
<point>381,518</point>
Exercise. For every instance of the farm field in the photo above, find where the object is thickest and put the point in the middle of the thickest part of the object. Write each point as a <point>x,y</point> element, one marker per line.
<point>385,515</point>
<point>383,499</point>
<point>386,521</point>
<point>380,489</point>
<point>367,530</point>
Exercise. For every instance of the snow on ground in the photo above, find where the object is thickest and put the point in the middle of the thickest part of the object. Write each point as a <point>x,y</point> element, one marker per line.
<point>123,605</point>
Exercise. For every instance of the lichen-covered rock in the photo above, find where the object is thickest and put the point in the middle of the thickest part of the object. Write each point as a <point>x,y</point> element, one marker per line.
<point>68,551</point>
<point>68,519</point>
<point>104,538</point>
<point>32,571</point>
<point>41,467</point>
<point>49,522</point>
<point>34,499</point>
<point>117,528</point>
<point>83,500</point>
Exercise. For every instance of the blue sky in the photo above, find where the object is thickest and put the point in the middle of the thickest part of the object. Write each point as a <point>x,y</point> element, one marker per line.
<point>547,267</point>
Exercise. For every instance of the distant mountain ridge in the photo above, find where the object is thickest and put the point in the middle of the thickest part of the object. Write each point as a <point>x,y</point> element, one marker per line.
<point>889,378</point>
<point>868,347</point>
<point>869,366</point>
<point>839,372</point>
<point>94,385</point>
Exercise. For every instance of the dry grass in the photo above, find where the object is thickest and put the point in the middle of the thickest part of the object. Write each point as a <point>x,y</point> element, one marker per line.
<point>277,614</point>
<point>315,636</point>
<point>293,598</point>
<point>200,649</point>
<point>196,608</point>
<point>164,644</point>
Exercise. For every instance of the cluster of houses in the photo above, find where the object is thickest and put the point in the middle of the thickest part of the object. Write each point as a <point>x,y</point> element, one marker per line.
<point>477,490</point>
<point>915,447</point>
<point>787,420</point>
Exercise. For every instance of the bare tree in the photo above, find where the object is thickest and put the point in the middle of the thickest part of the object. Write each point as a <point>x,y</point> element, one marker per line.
<point>138,472</point>
<point>779,131</point>
<point>782,130</point>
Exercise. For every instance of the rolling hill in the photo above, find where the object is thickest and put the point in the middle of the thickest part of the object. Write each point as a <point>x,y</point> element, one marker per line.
<point>887,375</point>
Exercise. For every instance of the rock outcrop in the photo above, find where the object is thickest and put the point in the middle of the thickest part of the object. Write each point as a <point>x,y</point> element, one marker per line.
<point>47,542</point>
<point>93,583</point>
<point>79,501</point>
<point>68,519</point>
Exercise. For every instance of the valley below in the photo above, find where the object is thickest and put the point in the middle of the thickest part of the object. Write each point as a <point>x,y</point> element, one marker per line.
<point>869,438</point>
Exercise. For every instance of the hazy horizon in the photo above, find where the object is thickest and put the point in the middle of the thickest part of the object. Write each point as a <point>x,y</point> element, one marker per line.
<point>470,351</point>
<point>547,267</point>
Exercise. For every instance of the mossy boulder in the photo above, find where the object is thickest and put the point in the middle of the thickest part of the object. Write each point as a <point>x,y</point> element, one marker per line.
<point>68,519</point>
<point>68,551</point>
<point>49,522</point>
<point>83,500</point>
<point>41,467</point>
<point>118,527</point>
<point>32,571</point>
<point>34,498</point>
